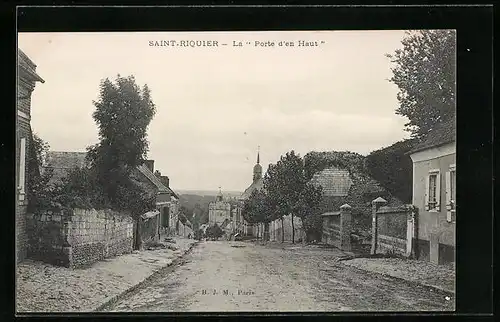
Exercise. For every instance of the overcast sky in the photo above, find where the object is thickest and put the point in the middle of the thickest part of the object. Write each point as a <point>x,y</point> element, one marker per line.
<point>215,105</point>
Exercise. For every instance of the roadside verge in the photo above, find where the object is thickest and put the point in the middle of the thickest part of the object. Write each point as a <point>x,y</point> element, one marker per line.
<point>438,277</point>
<point>42,287</point>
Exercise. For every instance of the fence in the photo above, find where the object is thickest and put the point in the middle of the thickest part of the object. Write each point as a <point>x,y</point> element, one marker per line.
<point>393,229</point>
<point>78,237</point>
<point>337,228</point>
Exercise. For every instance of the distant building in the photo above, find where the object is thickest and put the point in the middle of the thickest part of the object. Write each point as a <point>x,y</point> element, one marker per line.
<point>219,210</point>
<point>27,78</point>
<point>434,194</point>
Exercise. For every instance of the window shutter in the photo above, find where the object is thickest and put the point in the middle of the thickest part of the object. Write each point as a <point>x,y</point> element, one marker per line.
<point>448,190</point>
<point>426,200</point>
<point>438,192</point>
<point>22,167</point>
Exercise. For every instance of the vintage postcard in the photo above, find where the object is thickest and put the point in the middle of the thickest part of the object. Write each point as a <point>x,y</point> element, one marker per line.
<point>270,171</point>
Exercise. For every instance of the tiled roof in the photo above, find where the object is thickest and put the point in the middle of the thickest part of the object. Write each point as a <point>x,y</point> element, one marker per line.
<point>153,179</point>
<point>63,162</point>
<point>442,134</point>
<point>334,181</point>
<point>257,185</point>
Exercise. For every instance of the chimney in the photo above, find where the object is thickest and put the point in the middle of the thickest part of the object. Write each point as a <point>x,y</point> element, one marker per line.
<point>165,180</point>
<point>150,164</point>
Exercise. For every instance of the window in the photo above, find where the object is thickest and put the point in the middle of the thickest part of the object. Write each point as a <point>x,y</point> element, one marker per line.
<point>432,191</point>
<point>452,189</point>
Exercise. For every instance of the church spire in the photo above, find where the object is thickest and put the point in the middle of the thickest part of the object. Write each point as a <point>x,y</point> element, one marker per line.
<point>257,169</point>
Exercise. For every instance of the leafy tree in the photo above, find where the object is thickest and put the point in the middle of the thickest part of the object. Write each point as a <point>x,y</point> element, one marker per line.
<point>123,113</point>
<point>39,192</point>
<point>309,210</point>
<point>288,191</point>
<point>215,232</point>
<point>393,168</point>
<point>425,75</point>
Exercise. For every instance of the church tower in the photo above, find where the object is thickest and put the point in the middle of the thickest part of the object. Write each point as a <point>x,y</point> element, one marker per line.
<point>257,169</point>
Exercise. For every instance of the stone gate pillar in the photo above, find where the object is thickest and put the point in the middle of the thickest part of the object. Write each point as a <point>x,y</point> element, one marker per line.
<point>376,204</point>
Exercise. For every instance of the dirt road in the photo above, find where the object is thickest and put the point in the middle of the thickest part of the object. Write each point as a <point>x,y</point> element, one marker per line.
<point>238,276</point>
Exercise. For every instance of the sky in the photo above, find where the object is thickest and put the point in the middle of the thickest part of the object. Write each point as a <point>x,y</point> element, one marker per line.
<point>217,104</point>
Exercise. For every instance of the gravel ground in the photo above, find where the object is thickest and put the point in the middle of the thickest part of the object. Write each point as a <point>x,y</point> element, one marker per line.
<point>42,287</point>
<point>239,276</point>
<point>426,273</point>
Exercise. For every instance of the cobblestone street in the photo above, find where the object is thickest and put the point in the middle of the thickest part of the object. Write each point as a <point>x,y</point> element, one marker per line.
<point>238,276</point>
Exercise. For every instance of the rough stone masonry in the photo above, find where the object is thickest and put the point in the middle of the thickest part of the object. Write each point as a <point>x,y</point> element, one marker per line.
<point>78,237</point>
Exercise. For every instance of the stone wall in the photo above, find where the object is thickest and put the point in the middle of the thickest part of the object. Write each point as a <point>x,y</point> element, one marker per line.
<point>78,237</point>
<point>337,228</point>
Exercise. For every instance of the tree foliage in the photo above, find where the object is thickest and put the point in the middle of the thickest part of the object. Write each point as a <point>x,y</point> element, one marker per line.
<point>425,74</point>
<point>287,188</point>
<point>215,232</point>
<point>317,161</point>
<point>257,208</point>
<point>123,113</point>
<point>309,209</point>
<point>393,168</point>
<point>40,194</point>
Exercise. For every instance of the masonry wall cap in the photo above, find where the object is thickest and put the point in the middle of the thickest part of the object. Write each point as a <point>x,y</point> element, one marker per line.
<point>379,200</point>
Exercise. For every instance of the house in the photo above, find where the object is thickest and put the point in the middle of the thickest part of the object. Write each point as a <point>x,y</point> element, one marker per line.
<point>27,78</point>
<point>434,194</point>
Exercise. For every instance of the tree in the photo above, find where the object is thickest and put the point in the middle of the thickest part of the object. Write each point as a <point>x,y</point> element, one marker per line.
<point>393,168</point>
<point>425,75</point>
<point>284,184</point>
<point>123,113</point>
<point>215,232</point>
<point>309,210</point>
<point>39,192</point>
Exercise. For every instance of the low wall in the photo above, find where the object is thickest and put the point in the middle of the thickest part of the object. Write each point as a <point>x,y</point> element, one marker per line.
<point>279,231</point>
<point>78,237</point>
<point>392,229</point>
<point>337,227</point>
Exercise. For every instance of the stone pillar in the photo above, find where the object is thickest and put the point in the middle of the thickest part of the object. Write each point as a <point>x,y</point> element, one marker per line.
<point>434,247</point>
<point>411,232</point>
<point>376,204</point>
<point>345,227</point>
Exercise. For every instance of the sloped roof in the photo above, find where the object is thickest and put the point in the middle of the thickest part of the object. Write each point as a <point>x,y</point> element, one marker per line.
<point>334,181</point>
<point>443,133</point>
<point>257,185</point>
<point>28,66</point>
<point>63,162</point>
<point>153,179</point>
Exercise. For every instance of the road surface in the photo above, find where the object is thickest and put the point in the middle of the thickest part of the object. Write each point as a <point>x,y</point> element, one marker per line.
<point>226,276</point>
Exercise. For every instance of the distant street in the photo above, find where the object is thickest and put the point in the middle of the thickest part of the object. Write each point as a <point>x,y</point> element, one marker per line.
<point>239,276</point>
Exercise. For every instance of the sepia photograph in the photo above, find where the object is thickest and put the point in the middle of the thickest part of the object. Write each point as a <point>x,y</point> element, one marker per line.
<point>236,171</point>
